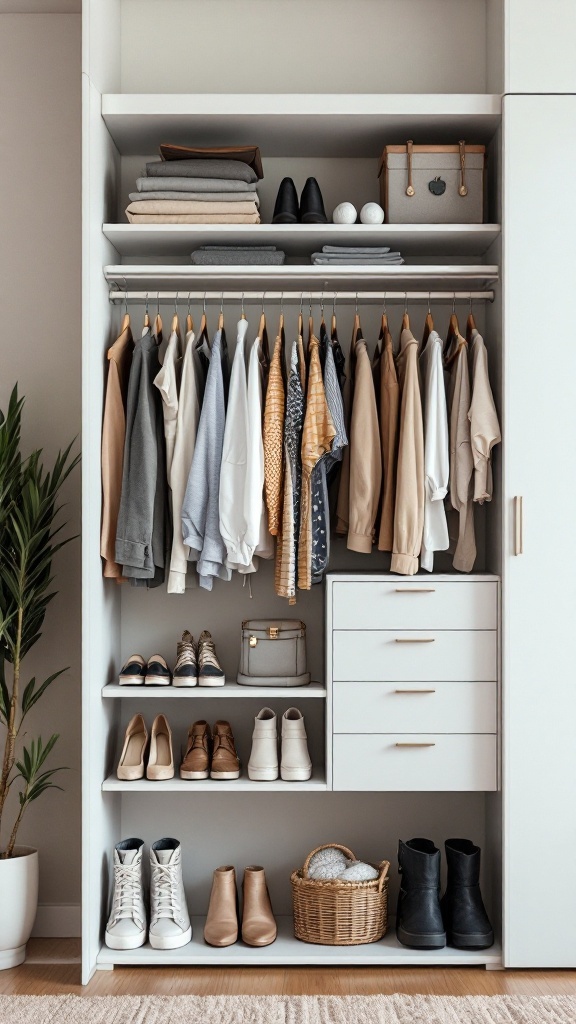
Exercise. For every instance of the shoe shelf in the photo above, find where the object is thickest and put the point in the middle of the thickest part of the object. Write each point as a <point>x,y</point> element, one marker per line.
<point>177,785</point>
<point>287,949</point>
<point>230,689</point>
<point>164,240</point>
<point>307,277</point>
<point>317,124</point>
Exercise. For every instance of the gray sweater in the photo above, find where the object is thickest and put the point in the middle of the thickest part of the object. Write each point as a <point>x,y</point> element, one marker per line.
<point>201,505</point>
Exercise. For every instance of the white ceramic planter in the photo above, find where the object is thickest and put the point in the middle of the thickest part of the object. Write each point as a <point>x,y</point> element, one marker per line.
<point>19,901</point>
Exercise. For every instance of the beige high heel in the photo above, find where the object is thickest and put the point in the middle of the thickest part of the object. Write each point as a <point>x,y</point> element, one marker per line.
<point>258,923</point>
<point>131,763</point>
<point>221,928</point>
<point>161,759</point>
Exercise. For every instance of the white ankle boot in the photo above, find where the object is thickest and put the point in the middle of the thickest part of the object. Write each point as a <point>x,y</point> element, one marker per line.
<point>296,765</point>
<point>126,928</point>
<point>263,763</point>
<point>170,925</point>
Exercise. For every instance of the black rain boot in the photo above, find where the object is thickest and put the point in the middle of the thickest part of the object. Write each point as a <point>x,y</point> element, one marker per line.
<point>419,918</point>
<point>286,205</point>
<point>312,204</point>
<point>465,918</point>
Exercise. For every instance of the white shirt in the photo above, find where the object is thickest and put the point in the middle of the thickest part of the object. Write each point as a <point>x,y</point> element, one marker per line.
<point>167,380</point>
<point>436,451</point>
<point>188,414</point>
<point>233,471</point>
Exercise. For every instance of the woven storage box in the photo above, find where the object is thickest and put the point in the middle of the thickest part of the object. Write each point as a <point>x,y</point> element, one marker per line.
<point>335,913</point>
<point>432,184</point>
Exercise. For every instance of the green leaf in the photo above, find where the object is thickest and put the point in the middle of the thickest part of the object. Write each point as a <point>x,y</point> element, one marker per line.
<point>31,696</point>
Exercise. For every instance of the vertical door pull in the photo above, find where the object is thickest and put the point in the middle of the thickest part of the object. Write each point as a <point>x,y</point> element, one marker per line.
<point>518,525</point>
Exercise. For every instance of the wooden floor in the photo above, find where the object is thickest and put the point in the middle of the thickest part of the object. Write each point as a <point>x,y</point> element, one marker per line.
<point>53,968</point>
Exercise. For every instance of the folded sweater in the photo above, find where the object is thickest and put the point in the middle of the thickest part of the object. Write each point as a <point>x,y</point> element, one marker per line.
<point>169,206</point>
<point>194,218</point>
<point>232,169</point>
<point>174,183</point>
<point>198,197</point>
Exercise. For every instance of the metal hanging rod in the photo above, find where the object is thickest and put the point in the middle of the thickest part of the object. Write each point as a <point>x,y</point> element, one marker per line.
<point>376,298</point>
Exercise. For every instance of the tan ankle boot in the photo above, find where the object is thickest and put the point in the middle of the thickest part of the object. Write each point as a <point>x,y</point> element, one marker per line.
<point>221,928</point>
<point>258,924</point>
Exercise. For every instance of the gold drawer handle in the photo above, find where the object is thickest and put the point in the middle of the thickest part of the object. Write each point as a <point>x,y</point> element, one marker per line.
<point>415,590</point>
<point>414,691</point>
<point>415,744</point>
<point>415,640</point>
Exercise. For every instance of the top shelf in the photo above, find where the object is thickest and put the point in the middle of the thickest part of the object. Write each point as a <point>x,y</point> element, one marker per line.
<point>298,124</point>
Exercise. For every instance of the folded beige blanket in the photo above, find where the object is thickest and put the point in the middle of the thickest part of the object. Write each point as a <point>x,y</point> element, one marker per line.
<point>165,206</point>
<point>193,218</point>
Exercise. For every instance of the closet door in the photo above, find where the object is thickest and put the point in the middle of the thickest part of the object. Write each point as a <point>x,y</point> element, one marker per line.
<point>539,757</point>
<point>540,40</point>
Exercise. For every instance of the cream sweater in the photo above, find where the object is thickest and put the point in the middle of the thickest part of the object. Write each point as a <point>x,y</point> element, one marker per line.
<point>409,508</point>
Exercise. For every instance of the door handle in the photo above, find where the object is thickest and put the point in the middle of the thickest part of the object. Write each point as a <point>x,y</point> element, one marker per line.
<point>415,744</point>
<point>414,691</point>
<point>415,590</point>
<point>518,525</point>
<point>415,640</point>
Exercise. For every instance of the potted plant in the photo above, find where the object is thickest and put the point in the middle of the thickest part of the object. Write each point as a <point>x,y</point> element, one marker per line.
<point>29,539</point>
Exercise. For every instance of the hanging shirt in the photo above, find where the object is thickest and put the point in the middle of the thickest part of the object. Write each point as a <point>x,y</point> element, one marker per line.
<point>365,455</point>
<point>274,437</point>
<point>167,381</point>
<point>389,426</point>
<point>141,529</point>
<point>233,524</point>
<point>200,508</point>
<point>484,425</point>
<point>185,441</point>
<point>287,544</point>
<point>436,451</point>
<point>409,507</point>
<point>113,436</point>
<point>343,501</point>
<point>461,460</point>
<point>317,437</point>
<point>323,471</point>
<point>258,539</point>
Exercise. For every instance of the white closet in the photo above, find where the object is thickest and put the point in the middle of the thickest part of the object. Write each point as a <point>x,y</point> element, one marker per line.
<point>518,719</point>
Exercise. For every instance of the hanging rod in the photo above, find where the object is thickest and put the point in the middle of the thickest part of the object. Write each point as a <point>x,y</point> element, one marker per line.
<point>376,298</point>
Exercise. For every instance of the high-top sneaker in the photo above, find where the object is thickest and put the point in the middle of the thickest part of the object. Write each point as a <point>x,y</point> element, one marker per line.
<point>126,928</point>
<point>170,925</point>
<point>263,763</point>
<point>225,760</point>
<point>209,669</point>
<point>186,671</point>
<point>295,763</point>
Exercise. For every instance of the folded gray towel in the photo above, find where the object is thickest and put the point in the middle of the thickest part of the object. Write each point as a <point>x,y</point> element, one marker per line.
<point>176,184</point>
<point>198,197</point>
<point>353,261</point>
<point>238,259</point>
<point>343,257</point>
<point>357,250</point>
<point>238,248</point>
<point>232,169</point>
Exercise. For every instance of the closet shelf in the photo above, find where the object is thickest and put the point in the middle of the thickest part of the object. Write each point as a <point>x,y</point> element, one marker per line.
<point>244,785</point>
<point>306,277</point>
<point>288,949</point>
<point>298,124</point>
<point>231,689</point>
<point>303,239</point>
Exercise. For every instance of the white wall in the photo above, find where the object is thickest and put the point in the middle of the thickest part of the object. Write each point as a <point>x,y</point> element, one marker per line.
<point>40,274</point>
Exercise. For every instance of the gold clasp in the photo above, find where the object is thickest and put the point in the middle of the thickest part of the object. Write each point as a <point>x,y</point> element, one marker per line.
<point>273,632</point>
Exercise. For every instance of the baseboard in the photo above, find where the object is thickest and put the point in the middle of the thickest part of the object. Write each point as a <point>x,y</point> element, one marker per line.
<point>58,921</point>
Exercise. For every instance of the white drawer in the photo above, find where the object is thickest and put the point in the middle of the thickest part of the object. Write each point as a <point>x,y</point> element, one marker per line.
<point>441,707</point>
<point>400,655</point>
<point>455,763</point>
<point>415,604</point>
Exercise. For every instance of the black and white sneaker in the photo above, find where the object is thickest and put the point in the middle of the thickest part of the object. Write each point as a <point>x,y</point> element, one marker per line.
<point>209,669</point>
<point>133,671</point>
<point>157,672</point>
<point>186,671</point>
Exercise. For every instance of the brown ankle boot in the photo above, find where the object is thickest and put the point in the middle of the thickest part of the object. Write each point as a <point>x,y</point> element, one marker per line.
<point>221,928</point>
<point>225,760</point>
<point>258,924</point>
<point>196,762</point>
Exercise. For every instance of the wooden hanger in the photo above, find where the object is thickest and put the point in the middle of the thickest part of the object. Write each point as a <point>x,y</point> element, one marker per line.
<point>454,339</point>
<point>405,318</point>
<point>428,324</point>
<point>175,326</point>
<point>242,313</point>
<point>470,323</point>
<point>125,323</point>
<point>146,314</point>
<point>221,315</point>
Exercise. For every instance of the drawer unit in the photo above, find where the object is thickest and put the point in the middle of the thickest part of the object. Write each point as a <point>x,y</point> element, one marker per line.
<point>414,655</point>
<point>425,763</point>
<point>414,604</point>
<point>440,707</point>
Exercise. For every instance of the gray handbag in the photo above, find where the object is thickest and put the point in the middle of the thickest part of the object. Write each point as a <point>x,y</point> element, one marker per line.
<point>273,653</point>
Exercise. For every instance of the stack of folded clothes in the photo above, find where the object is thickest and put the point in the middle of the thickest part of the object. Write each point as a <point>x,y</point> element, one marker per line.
<point>346,255</point>
<point>238,255</point>
<point>202,189</point>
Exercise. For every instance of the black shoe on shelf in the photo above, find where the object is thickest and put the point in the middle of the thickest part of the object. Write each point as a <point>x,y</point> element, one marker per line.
<point>312,204</point>
<point>465,918</point>
<point>419,922</point>
<point>286,205</point>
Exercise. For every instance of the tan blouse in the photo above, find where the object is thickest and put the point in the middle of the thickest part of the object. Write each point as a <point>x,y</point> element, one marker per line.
<point>409,505</point>
<point>113,435</point>
<point>389,422</point>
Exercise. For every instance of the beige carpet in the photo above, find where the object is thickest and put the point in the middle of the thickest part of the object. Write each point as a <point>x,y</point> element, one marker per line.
<point>397,1009</point>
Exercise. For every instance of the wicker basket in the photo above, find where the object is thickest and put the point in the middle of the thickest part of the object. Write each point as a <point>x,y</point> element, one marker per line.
<point>331,912</point>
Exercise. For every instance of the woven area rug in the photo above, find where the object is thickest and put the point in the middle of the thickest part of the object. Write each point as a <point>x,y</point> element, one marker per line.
<point>397,1009</point>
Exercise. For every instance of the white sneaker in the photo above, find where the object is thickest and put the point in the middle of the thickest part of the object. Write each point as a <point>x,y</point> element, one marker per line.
<point>296,765</point>
<point>263,763</point>
<point>170,925</point>
<point>126,928</point>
